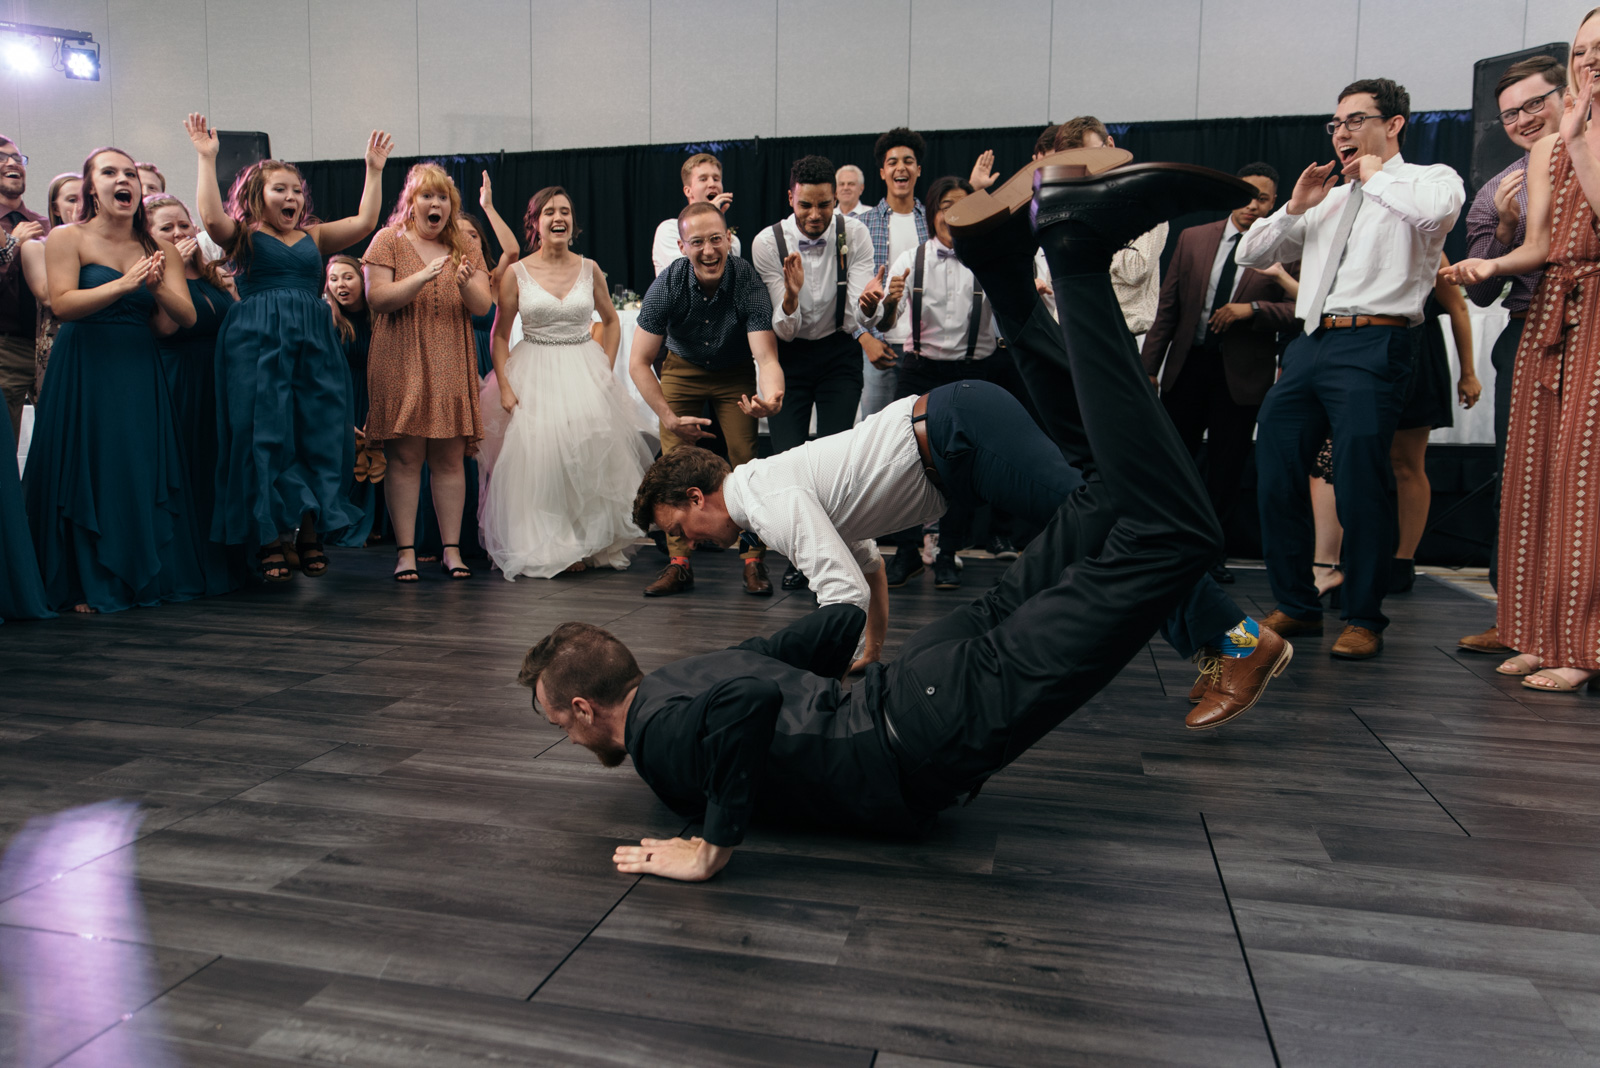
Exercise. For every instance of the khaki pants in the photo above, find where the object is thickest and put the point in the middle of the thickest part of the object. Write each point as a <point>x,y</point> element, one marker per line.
<point>16,376</point>
<point>686,388</point>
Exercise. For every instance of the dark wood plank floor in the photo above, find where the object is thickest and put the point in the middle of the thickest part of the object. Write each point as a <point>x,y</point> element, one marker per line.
<point>360,846</point>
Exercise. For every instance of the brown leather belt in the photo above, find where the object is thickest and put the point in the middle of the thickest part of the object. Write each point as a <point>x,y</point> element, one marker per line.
<point>1519,315</point>
<point>1345,322</point>
<point>919,430</point>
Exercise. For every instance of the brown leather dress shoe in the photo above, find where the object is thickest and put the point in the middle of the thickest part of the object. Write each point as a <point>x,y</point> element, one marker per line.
<point>1288,627</point>
<point>674,578</point>
<point>1202,682</point>
<point>1487,642</point>
<point>1236,683</point>
<point>1357,643</point>
<point>756,582</point>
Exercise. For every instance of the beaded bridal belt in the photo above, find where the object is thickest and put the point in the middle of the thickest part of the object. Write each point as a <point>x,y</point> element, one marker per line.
<point>570,339</point>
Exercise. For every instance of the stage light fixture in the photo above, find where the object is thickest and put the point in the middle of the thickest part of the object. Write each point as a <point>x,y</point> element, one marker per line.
<point>27,49</point>
<point>81,60</point>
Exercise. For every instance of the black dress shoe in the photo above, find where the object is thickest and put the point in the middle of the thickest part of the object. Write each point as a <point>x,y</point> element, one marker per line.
<point>1001,548</point>
<point>1221,575</point>
<point>1082,220</point>
<point>794,579</point>
<point>903,566</point>
<point>1402,575</point>
<point>946,576</point>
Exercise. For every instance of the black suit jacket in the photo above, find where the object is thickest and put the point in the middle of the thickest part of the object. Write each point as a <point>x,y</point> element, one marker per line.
<point>1249,348</point>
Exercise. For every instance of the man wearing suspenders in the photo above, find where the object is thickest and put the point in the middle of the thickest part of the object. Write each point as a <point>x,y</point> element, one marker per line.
<point>945,335</point>
<point>817,266</point>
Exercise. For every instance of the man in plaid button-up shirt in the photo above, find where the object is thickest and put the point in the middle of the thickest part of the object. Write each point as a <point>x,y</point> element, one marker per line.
<point>897,224</point>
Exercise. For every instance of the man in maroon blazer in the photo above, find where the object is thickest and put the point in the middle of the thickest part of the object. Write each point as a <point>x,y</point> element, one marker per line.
<point>1216,330</point>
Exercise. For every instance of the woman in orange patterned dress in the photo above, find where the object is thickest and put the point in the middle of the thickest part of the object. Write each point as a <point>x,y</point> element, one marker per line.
<point>425,281</point>
<point>1549,606</point>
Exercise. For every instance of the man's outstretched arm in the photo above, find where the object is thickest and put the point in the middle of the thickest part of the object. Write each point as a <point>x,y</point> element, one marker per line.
<point>716,747</point>
<point>823,643</point>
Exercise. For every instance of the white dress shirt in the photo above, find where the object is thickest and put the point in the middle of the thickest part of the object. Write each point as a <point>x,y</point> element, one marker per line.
<point>856,212</point>
<point>813,314</point>
<point>947,286</point>
<point>822,504</point>
<point>1224,248</point>
<point>1136,278</point>
<point>1393,252</point>
<point>665,249</point>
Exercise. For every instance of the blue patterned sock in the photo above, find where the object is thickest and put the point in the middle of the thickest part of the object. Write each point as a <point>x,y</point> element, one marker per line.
<point>1240,639</point>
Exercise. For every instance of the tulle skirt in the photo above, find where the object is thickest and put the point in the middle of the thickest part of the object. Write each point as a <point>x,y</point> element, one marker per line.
<point>559,472</point>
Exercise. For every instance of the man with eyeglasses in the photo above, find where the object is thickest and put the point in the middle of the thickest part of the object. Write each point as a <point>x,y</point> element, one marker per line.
<point>1529,97</point>
<point>18,313</point>
<point>1369,252</point>
<point>714,316</point>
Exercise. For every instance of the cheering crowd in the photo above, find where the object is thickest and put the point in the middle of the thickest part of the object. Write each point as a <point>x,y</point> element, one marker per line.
<point>221,394</point>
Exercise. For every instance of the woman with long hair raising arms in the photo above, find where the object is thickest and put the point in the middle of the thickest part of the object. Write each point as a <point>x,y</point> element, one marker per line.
<point>288,458</point>
<point>1549,606</point>
<point>108,496</point>
<point>425,281</point>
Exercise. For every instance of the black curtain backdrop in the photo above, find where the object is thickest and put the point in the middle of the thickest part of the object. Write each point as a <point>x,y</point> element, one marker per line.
<point>622,194</point>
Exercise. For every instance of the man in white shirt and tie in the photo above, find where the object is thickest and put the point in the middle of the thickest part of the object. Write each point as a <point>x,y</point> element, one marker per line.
<point>817,267</point>
<point>702,180</point>
<point>1369,252</point>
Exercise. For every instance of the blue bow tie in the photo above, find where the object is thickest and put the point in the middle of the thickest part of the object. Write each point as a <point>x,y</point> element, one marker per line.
<point>807,244</point>
<point>944,253</point>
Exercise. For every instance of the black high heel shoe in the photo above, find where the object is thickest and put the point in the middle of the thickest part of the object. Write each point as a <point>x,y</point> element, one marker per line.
<point>1334,594</point>
<point>457,573</point>
<point>410,573</point>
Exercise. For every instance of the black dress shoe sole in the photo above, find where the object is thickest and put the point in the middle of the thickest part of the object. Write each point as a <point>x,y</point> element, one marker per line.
<point>1118,216</point>
<point>981,212</point>
<point>795,580</point>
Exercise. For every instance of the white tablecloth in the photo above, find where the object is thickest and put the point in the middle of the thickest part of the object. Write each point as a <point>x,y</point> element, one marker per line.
<point>1474,426</point>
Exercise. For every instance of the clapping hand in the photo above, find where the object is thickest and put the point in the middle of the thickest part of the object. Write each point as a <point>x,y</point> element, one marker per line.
<point>204,138</point>
<point>1311,188</point>
<point>1506,206</point>
<point>139,274</point>
<point>1468,272</point>
<point>794,276</point>
<point>155,270</point>
<point>464,272</point>
<point>983,175</point>
<point>379,145</point>
<point>435,267</point>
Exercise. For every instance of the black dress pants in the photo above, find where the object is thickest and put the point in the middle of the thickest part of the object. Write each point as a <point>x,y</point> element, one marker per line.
<point>1202,407</point>
<point>1504,358</point>
<point>972,691</point>
<point>825,374</point>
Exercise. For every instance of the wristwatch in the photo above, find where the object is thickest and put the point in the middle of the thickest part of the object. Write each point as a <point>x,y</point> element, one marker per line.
<point>1255,307</point>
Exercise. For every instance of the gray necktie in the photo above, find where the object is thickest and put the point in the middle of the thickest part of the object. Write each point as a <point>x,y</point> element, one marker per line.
<point>1341,237</point>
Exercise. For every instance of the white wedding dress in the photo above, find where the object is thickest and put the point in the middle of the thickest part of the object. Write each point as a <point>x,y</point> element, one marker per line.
<point>558,474</point>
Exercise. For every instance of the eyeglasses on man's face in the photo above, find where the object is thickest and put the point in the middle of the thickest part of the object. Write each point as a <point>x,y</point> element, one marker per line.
<point>14,157</point>
<point>1352,123</point>
<point>1510,116</point>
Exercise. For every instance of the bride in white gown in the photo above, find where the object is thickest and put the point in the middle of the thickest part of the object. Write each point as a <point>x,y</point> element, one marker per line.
<point>562,453</point>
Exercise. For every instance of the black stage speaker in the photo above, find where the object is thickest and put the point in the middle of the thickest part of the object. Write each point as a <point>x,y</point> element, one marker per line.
<point>1492,150</point>
<point>236,150</point>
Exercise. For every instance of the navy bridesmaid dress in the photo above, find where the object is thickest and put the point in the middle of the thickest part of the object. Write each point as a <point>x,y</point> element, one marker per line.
<point>107,491</point>
<point>285,410</point>
<point>21,591</point>
<point>189,358</point>
<point>366,497</point>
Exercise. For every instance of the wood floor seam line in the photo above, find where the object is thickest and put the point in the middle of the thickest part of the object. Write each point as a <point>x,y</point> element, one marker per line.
<point>154,997</point>
<point>1408,771</point>
<point>1244,954</point>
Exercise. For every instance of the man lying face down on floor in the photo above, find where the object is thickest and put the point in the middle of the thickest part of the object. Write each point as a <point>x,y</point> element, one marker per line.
<point>766,725</point>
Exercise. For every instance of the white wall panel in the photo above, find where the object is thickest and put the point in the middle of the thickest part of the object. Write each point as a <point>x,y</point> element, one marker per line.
<point>979,65</point>
<point>364,69</point>
<point>844,66</point>
<point>159,77</point>
<point>712,69</point>
<point>1247,67</point>
<point>1125,61</point>
<point>591,74</point>
<point>1430,52</point>
<point>259,65</point>
<point>1546,21</point>
<point>474,85</point>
